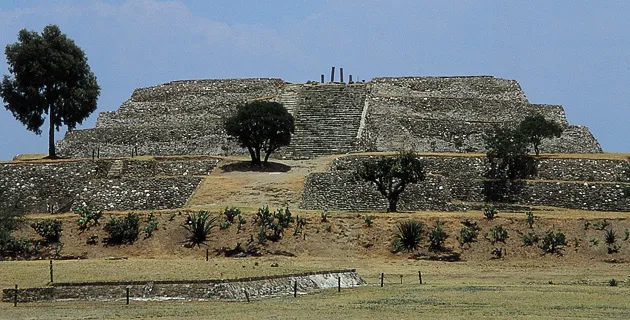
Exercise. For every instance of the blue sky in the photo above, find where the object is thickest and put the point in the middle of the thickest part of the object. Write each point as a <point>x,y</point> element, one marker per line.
<point>573,53</point>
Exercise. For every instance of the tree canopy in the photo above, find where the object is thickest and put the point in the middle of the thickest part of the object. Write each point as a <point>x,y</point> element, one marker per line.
<point>536,128</point>
<point>49,74</point>
<point>261,126</point>
<point>391,175</point>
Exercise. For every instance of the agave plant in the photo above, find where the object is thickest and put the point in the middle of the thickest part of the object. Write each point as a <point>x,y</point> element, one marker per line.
<point>198,227</point>
<point>409,235</point>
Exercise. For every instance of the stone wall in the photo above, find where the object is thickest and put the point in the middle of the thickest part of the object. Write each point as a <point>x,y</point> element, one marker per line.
<point>586,184</point>
<point>106,184</point>
<point>200,290</point>
<point>439,114</point>
<point>481,87</point>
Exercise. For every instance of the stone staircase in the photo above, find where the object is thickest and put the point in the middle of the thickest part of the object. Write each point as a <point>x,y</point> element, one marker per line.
<point>327,121</point>
<point>116,170</point>
<point>290,97</point>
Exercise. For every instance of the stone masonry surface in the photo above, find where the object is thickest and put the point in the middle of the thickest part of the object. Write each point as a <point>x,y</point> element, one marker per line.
<point>228,290</point>
<point>106,184</point>
<point>440,114</point>
<point>568,183</point>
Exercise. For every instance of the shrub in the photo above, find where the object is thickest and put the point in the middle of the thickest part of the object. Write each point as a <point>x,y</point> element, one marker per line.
<point>324,216</point>
<point>123,230</point>
<point>300,223</point>
<point>553,242</point>
<point>408,236</point>
<point>241,222</point>
<point>17,247</point>
<point>92,240</point>
<point>490,212</point>
<point>601,224</point>
<point>150,226</point>
<point>88,217</point>
<point>499,234</point>
<point>530,219</point>
<point>530,239</point>
<point>497,253</point>
<point>467,235</point>
<point>613,282</point>
<point>610,238</point>
<point>626,234</point>
<point>272,225</point>
<point>594,241</point>
<point>49,229</point>
<point>231,213</point>
<point>368,220</point>
<point>469,232</point>
<point>198,225</point>
<point>264,216</point>
<point>224,224</point>
<point>437,236</point>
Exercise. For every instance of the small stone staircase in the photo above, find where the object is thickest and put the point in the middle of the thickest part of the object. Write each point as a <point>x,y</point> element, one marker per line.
<point>116,170</point>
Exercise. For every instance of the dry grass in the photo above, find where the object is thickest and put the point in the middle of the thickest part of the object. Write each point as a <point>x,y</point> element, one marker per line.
<point>495,289</point>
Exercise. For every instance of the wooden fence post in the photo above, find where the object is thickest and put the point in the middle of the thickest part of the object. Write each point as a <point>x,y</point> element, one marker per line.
<point>127,294</point>
<point>246,295</point>
<point>339,284</point>
<point>51,271</point>
<point>15,296</point>
<point>382,278</point>
<point>295,289</point>
<point>401,278</point>
<point>207,254</point>
<point>420,276</point>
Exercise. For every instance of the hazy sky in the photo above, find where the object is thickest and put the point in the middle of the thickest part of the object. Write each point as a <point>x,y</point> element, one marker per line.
<point>573,53</point>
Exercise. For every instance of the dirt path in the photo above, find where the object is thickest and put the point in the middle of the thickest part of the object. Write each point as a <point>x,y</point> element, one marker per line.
<point>235,182</point>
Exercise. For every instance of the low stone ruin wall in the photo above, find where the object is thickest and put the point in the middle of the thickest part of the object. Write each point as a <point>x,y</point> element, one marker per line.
<point>53,187</point>
<point>452,182</point>
<point>201,290</point>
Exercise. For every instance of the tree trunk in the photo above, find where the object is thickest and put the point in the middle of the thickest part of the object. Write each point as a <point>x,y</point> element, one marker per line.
<point>257,162</point>
<point>267,154</point>
<point>392,205</point>
<point>51,133</point>
<point>536,150</point>
<point>252,153</point>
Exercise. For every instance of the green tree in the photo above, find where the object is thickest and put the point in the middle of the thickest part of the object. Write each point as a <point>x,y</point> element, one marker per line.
<point>507,152</point>
<point>261,126</point>
<point>391,175</point>
<point>49,74</point>
<point>536,128</point>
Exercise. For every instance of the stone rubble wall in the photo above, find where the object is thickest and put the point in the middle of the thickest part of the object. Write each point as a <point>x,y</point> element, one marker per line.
<point>142,184</point>
<point>585,184</point>
<point>200,290</point>
<point>480,87</point>
<point>454,115</point>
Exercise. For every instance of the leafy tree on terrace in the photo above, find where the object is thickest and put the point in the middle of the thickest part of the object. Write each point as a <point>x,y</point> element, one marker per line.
<point>536,128</point>
<point>261,126</point>
<point>391,175</point>
<point>507,154</point>
<point>49,75</point>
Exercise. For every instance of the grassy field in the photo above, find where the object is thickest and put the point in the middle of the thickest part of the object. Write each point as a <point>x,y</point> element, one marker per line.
<point>495,289</point>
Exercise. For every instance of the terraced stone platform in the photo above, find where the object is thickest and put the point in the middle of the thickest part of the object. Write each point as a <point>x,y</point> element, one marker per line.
<point>443,114</point>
